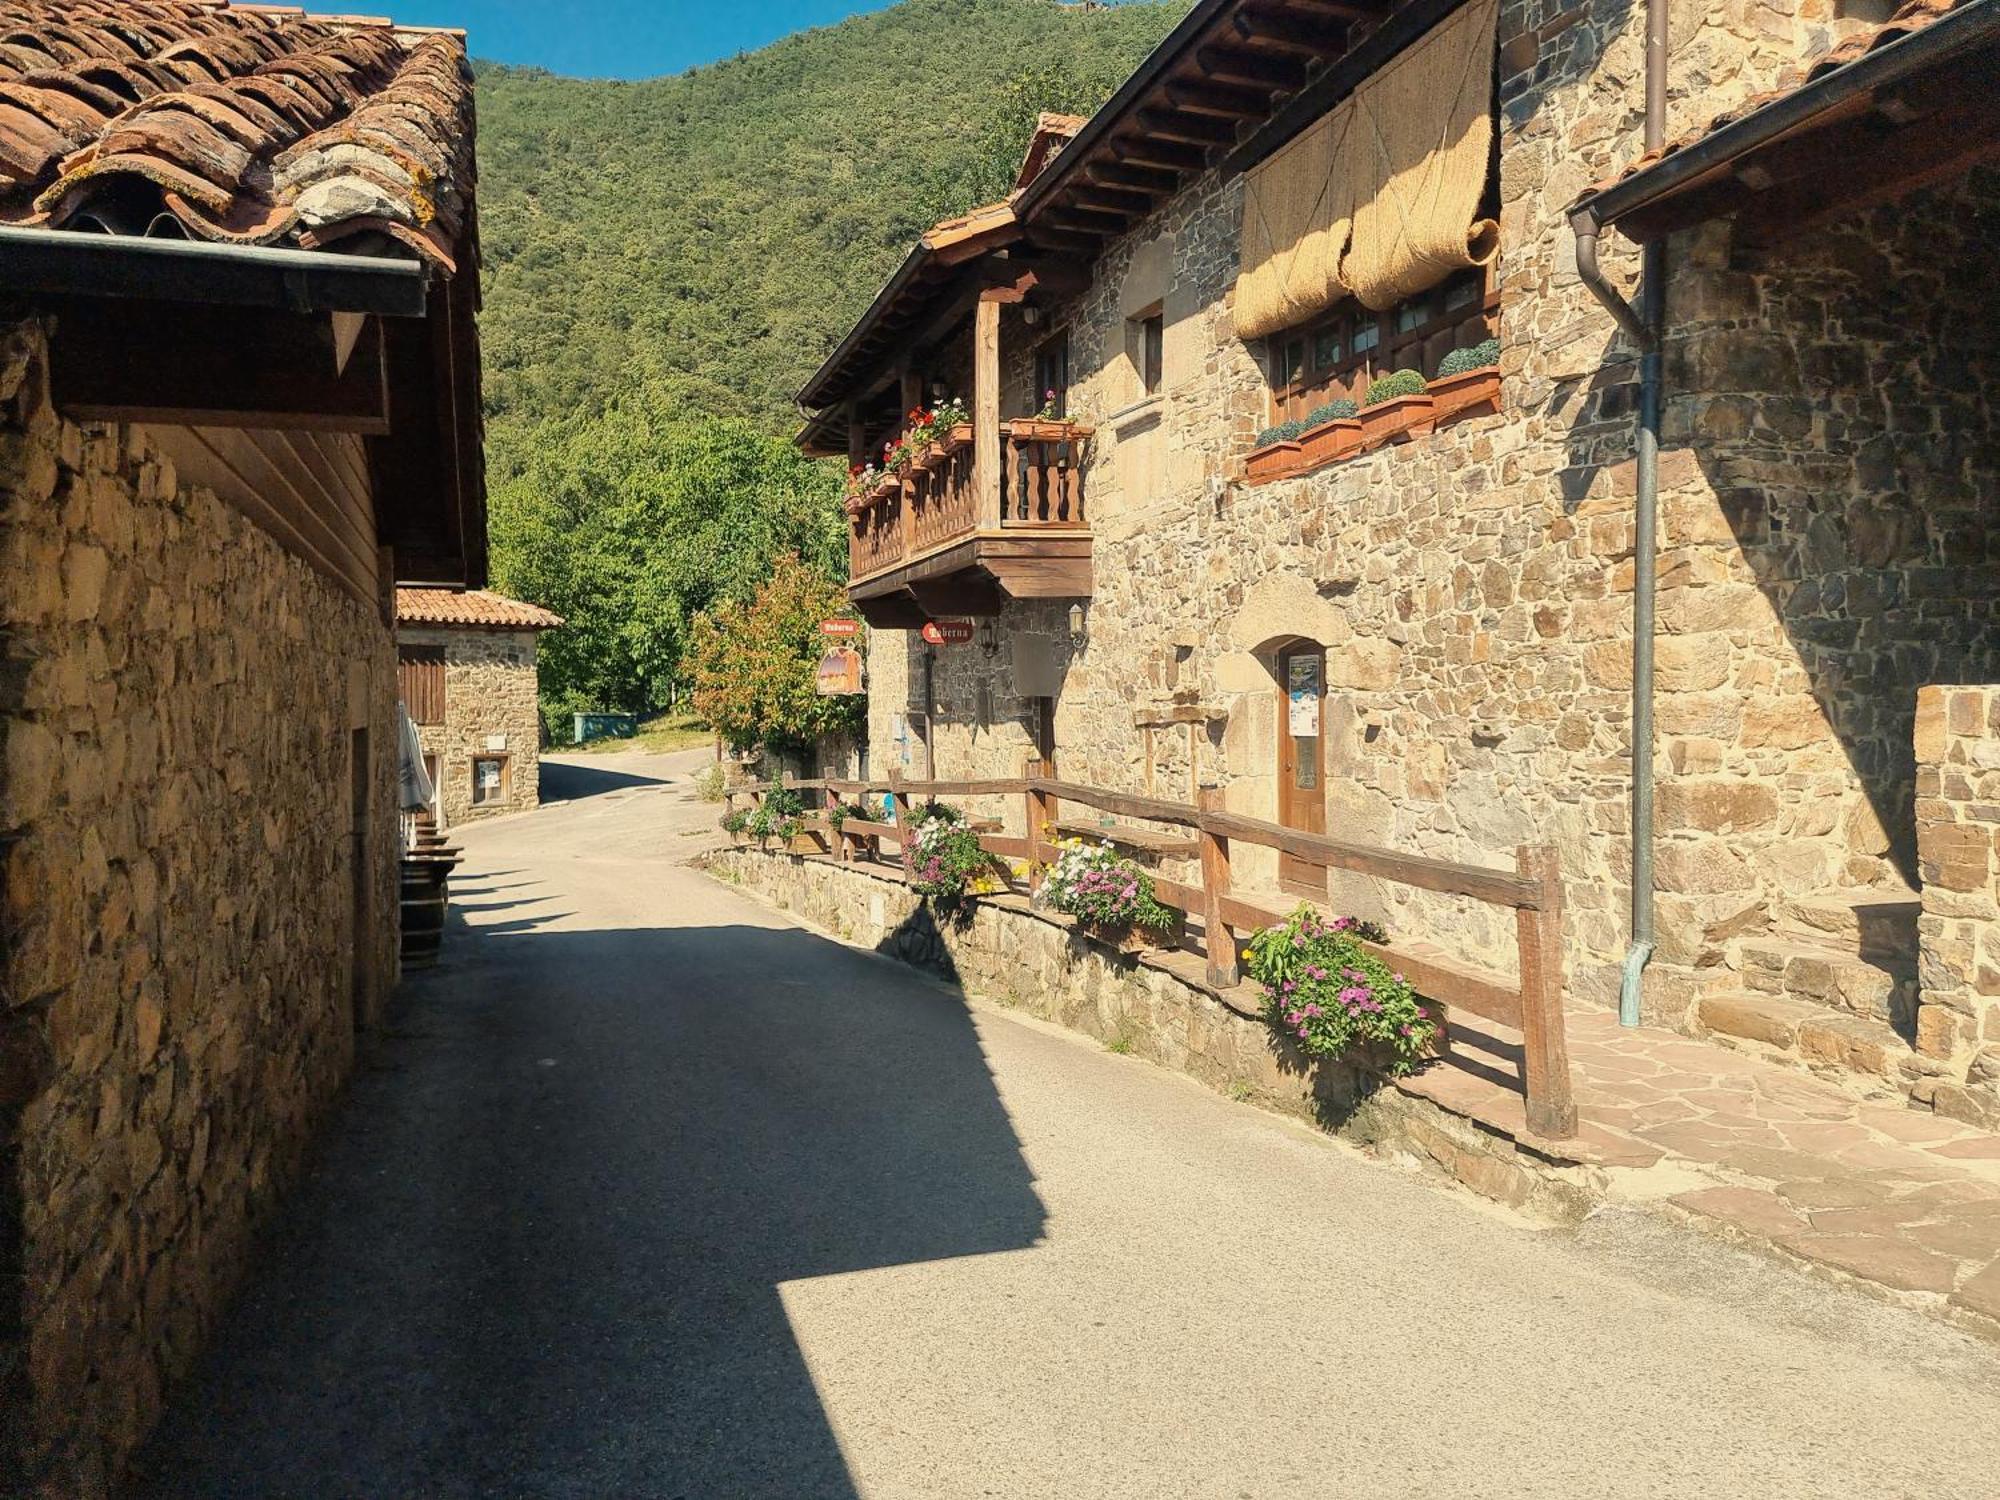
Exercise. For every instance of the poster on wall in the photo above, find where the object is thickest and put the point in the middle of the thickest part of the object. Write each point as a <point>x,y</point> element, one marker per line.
<point>1302,688</point>
<point>839,673</point>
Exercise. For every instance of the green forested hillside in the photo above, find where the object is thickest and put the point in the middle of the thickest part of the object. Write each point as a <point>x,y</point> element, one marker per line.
<point>714,232</point>
<point>667,261</point>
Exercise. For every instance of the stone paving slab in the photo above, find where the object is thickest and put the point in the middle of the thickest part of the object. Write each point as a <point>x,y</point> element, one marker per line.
<point>1897,1197</point>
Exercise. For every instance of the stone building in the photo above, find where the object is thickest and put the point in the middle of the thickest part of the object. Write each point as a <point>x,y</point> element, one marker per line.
<point>1415,629</point>
<point>466,676</point>
<point>238,396</point>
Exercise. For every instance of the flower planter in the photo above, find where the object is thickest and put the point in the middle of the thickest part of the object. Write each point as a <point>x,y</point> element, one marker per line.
<point>1397,420</point>
<point>1129,939</point>
<point>802,843</point>
<point>952,439</point>
<point>1272,461</point>
<point>1470,393</point>
<point>1041,430</point>
<point>1328,441</point>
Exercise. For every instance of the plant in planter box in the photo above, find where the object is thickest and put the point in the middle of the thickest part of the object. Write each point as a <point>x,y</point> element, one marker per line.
<point>1107,893</point>
<point>1330,431</point>
<point>1396,405</point>
<point>777,815</point>
<point>944,858</point>
<point>1334,998</point>
<point>736,821</point>
<point>1478,357</point>
<point>1275,451</point>
<point>1468,382</point>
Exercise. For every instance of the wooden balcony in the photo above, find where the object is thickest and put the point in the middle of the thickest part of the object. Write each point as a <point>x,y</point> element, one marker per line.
<point>966,525</point>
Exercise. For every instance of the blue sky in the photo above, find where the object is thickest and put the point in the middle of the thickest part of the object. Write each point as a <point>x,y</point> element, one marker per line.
<point>619,38</point>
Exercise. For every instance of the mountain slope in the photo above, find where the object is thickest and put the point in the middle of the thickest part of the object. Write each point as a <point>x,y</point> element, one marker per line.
<point>711,234</point>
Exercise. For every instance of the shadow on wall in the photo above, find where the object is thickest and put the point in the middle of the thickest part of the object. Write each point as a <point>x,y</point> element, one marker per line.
<point>1840,396</point>
<point>543,1249</point>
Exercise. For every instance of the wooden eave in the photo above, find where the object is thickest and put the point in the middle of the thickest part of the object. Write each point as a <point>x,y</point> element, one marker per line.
<point>1918,109</point>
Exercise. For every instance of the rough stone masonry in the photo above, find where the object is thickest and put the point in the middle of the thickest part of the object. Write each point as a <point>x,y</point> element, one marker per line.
<point>179,971</point>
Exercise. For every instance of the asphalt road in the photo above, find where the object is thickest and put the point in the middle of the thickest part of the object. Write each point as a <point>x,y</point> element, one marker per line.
<point>648,1193</point>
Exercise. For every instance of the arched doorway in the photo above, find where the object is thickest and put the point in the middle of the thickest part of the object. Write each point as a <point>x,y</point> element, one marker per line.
<point>1301,672</point>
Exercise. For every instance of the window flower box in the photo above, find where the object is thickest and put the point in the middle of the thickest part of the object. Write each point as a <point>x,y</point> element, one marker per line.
<point>1469,393</point>
<point>1398,419</point>
<point>1131,938</point>
<point>1272,461</point>
<point>1042,430</point>
<point>952,439</point>
<point>1329,441</point>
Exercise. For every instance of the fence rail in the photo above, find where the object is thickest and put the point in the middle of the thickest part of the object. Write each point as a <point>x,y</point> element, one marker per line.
<point>1531,1004</point>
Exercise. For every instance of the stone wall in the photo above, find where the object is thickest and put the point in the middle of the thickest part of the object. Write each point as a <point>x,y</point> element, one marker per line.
<point>1831,419</point>
<point>182,974</point>
<point>1005,952</point>
<point>489,708</point>
<point>1958,854</point>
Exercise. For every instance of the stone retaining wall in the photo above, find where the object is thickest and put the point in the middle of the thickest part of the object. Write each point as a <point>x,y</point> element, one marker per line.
<point>177,1000</point>
<point>1003,951</point>
<point>1958,852</point>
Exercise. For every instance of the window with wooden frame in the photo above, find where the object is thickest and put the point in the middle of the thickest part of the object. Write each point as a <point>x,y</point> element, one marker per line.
<point>1152,351</point>
<point>1340,352</point>
<point>420,682</point>
<point>491,780</point>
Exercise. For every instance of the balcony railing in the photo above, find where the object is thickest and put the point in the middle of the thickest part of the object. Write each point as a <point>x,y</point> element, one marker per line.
<point>934,501</point>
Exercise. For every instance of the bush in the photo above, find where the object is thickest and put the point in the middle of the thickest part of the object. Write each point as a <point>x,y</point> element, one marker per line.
<point>708,785</point>
<point>945,860</point>
<point>1388,387</point>
<point>1333,411</point>
<point>1333,997</point>
<point>1478,357</point>
<point>736,821</point>
<point>1095,884</point>
<point>1284,432</point>
<point>778,813</point>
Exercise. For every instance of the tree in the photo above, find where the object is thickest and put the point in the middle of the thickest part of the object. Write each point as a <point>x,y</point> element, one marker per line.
<point>753,666</point>
<point>631,523</point>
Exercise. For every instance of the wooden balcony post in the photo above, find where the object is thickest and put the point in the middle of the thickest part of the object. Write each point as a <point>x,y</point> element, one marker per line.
<point>986,411</point>
<point>1217,940</point>
<point>1544,1052</point>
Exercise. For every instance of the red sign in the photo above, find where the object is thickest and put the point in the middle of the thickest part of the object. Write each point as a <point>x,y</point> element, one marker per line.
<point>948,632</point>
<point>839,627</point>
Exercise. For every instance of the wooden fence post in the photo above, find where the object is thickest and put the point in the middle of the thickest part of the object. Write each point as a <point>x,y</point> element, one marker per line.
<point>1041,815</point>
<point>1217,940</point>
<point>899,803</point>
<point>1544,1053</point>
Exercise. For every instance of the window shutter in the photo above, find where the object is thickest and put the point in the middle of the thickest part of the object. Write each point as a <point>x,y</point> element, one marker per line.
<point>420,682</point>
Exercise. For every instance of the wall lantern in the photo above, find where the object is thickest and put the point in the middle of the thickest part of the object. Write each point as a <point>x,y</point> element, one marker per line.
<point>989,640</point>
<point>1076,630</point>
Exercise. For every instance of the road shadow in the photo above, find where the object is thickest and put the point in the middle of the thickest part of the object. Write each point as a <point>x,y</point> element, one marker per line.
<point>566,780</point>
<point>541,1250</point>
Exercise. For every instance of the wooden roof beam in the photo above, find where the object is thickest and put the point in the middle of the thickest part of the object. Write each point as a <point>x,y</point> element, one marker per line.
<point>1121,200</point>
<point>1195,130</point>
<point>1239,65</point>
<point>1203,98</point>
<point>1151,151</point>
<point>1281,32</point>
<point>1127,175</point>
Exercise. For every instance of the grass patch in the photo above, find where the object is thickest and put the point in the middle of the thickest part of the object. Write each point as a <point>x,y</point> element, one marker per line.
<point>656,736</point>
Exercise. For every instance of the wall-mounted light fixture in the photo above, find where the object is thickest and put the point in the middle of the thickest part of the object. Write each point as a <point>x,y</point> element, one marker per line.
<point>1077,633</point>
<point>989,640</point>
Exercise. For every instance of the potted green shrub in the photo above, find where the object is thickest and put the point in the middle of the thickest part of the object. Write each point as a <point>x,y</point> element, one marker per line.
<point>1274,452</point>
<point>1396,407</point>
<point>1331,431</point>
<point>1111,898</point>
<point>1468,381</point>
<point>1330,996</point>
<point>736,823</point>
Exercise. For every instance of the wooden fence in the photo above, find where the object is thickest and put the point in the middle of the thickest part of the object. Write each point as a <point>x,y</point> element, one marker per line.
<point>1532,890</point>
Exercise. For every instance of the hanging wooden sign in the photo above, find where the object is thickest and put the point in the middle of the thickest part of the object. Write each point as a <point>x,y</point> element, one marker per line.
<point>839,673</point>
<point>948,632</point>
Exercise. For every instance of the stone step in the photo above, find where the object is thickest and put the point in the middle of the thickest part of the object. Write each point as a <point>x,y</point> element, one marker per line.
<point>1865,922</point>
<point>1881,989</point>
<point>1826,1041</point>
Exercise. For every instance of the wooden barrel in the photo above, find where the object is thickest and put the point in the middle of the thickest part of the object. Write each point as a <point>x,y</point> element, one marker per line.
<point>425,896</point>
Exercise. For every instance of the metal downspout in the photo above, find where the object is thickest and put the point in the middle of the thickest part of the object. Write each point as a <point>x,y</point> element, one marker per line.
<point>1643,327</point>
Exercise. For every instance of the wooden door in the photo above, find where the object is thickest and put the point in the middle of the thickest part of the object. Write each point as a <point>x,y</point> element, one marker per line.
<point>1301,779</point>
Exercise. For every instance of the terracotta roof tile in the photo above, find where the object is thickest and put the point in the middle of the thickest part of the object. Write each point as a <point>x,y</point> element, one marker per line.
<point>260,124</point>
<point>470,607</point>
<point>1910,16</point>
